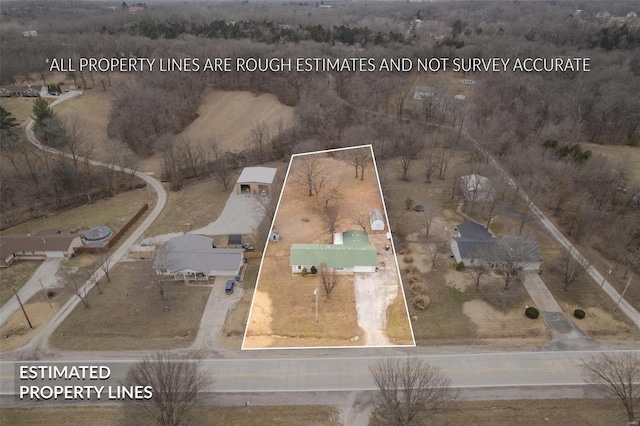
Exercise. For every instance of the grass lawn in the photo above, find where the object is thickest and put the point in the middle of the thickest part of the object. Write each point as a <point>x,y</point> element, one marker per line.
<point>566,412</point>
<point>113,212</point>
<point>236,321</point>
<point>397,326</point>
<point>198,202</point>
<point>20,108</point>
<point>16,276</point>
<point>129,314</point>
<point>303,415</point>
<point>282,297</point>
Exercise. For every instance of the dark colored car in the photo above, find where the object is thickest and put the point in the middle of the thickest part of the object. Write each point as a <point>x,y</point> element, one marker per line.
<point>229,287</point>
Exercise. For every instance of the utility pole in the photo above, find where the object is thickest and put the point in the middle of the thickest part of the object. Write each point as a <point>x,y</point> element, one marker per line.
<point>22,306</point>
<point>622,295</point>
<point>45,293</point>
<point>609,271</point>
<point>315,293</point>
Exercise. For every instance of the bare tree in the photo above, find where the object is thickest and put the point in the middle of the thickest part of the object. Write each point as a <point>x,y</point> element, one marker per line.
<point>410,392</point>
<point>174,384</point>
<point>310,175</point>
<point>430,164</point>
<point>431,210</point>
<point>329,278</point>
<point>569,269</point>
<point>478,269</point>
<point>74,137</point>
<point>617,376</point>
<point>103,261</point>
<point>510,255</point>
<point>362,220</point>
<point>76,287</point>
<point>330,217</point>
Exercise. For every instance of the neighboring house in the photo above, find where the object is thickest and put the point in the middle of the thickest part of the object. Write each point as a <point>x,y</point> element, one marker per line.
<point>476,188</point>
<point>350,252</point>
<point>376,220</point>
<point>38,245</point>
<point>192,257</point>
<point>474,242</point>
<point>31,33</point>
<point>20,91</point>
<point>256,180</point>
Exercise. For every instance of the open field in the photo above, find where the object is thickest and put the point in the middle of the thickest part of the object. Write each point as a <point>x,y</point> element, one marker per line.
<point>129,314</point>
<point>628,155</point>
<point>281,295</point>
<point>20,108</point>
<point>228,116</point>
<point>113,212</point>
<point>15,277</point>
<point>570,412</point>
<point>93,125</point>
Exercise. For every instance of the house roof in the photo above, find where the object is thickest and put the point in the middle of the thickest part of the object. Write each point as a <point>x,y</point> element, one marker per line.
<point>195,252</point>
<point>475,241</point>
<point>257,174</point>
<point>335,256</point>
<point>474,231</point>
<point>16,243</point>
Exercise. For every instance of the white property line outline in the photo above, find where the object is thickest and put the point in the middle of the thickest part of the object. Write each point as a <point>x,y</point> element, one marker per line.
<point>395,255</point>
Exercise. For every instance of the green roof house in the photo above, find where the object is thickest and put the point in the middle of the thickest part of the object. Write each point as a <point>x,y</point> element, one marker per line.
<point>350,252</point>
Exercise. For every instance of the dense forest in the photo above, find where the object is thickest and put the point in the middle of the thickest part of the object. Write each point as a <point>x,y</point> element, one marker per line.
<point>533,122</point>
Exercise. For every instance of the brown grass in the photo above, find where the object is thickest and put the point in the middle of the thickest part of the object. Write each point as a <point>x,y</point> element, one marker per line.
<point>398,328</point>
<point>570,412</point>
<point>20,108</point>
<point>281,296</point>
<point>15,332</point>
<point>303,415</point>
<point>15,277</point>
<point>236,322</point>
<point>199,203</point>
<point>129,314</point>
<point>113,212</point>
<point>93,125</point>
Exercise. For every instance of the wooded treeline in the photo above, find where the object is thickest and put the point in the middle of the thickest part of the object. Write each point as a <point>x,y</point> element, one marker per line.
<point>510,114</point>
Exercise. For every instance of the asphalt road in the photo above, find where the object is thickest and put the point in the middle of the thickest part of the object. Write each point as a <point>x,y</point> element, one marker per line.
<point>524,374</point>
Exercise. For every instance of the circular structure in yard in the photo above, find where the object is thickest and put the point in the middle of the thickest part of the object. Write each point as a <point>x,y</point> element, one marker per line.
<point>98,233</point>
<point>418,207</point>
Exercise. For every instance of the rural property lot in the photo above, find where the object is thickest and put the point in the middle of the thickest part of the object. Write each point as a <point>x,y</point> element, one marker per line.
<point>283,309</point>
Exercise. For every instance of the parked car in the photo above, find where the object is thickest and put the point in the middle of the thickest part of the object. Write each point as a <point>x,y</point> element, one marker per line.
<point>229,287</point>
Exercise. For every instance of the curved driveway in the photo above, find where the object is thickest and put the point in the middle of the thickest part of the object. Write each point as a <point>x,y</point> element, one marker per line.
<point>40,340</point>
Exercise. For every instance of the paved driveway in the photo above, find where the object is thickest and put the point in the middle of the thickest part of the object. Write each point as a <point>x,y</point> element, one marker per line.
<point>241,215</point>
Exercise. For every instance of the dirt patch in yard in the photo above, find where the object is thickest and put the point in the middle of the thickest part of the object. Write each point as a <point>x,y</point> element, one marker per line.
<point>599,323</point>
<point>131,315</point>
<point>493,324</point>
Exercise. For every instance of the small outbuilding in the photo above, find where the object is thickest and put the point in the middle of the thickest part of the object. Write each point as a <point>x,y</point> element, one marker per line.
<point>377,220</point>
<point>256,180</point>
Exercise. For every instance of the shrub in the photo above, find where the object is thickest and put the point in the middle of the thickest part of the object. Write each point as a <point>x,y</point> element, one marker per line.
<point>531,312</point>
<point>579,313</point>
<point>421,301</point>
<point>314,270</point>
<point>304,272</point>
<point>408,259</point>
<point>419,288</point>
<point>460,266</point>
